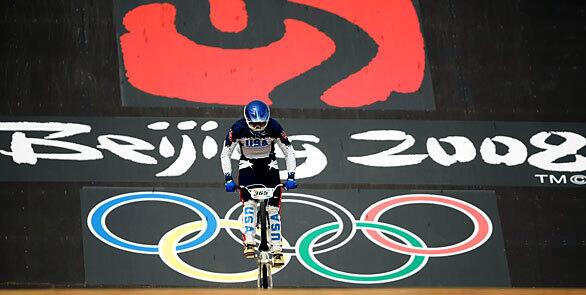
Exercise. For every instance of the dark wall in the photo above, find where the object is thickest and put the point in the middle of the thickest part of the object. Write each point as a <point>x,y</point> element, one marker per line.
<point>502,61</point>
<point>507,60</point>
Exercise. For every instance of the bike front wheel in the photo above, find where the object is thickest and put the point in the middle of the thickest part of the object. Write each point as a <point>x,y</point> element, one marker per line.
<point>265,277</point>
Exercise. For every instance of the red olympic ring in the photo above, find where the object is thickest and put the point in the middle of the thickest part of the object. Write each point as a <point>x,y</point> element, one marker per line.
<point>482,224</point>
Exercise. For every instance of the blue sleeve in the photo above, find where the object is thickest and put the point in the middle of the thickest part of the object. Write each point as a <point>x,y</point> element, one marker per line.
<point>234,133</point>
<point>277,131</point>
<point>230,137</point>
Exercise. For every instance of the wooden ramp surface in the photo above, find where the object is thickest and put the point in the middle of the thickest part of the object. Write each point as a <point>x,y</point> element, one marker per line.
<point>341,291</point>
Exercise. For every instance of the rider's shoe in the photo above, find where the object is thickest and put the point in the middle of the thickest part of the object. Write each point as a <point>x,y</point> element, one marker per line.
<point>249,250</point>
<point>278,260</point>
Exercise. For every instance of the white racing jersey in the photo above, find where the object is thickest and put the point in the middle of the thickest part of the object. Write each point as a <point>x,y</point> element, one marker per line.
<point>257,145</point>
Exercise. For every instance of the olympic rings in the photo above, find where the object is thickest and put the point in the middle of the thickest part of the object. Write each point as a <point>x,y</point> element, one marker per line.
<point>338,240</point>
<point>171,258</point>
<point>307,257</point>
<point>482,224</point>
<point>309,244</point>
<point>97,221</point>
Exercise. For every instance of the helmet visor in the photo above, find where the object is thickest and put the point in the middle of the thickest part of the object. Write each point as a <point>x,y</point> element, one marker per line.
<point>257,126</point>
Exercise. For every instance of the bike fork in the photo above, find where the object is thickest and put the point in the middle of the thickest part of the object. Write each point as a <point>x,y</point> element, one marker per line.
<point>265,278</point>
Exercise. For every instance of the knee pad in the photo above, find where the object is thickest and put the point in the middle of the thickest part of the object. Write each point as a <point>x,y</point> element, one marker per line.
<point>249,203</point>
<point>271,210</point>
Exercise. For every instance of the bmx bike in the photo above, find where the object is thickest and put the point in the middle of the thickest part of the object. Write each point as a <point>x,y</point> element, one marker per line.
<point>263,257</point>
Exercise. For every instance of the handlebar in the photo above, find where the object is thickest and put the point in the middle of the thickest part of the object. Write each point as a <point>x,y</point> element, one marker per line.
<point>263,195</point>
<point>261,185</point>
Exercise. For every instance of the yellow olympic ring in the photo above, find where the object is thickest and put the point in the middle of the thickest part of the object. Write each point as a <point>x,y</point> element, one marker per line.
<point>169,256</point>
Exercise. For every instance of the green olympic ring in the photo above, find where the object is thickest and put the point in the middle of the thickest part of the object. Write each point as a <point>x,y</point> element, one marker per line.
<point>411,267</point>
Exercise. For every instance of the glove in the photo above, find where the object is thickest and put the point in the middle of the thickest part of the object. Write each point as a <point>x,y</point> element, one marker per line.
<point>291,183</point>
<point>231,186</point>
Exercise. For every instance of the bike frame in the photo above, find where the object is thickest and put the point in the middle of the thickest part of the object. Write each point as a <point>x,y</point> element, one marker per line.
<point>262,194</point>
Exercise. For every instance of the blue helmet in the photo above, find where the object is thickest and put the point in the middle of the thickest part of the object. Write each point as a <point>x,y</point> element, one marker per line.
<point>257,114</point>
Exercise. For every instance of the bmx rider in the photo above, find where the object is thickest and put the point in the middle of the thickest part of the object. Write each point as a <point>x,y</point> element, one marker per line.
<point>256,134</point>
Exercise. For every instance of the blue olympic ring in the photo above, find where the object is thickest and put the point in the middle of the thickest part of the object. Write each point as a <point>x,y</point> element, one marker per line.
<point>97,221</point>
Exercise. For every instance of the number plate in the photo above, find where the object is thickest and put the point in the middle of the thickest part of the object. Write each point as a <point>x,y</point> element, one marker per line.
<point>261,193</point>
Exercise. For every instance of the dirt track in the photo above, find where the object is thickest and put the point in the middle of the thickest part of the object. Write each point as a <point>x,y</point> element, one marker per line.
<point>377,291</point>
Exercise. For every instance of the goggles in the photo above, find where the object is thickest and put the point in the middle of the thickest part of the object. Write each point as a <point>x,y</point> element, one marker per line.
<point>257,126</point>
